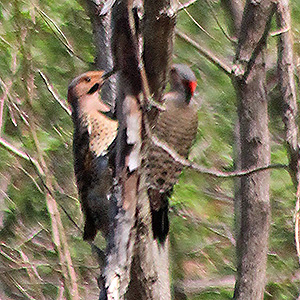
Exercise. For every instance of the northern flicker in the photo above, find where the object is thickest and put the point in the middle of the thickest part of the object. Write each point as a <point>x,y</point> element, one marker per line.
<point>94,134</point>
<point>177,127</point>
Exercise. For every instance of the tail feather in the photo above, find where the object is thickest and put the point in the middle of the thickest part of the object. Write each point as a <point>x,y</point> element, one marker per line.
<point>90,231</point>
<point>160,224</point>
<point>159,204</point>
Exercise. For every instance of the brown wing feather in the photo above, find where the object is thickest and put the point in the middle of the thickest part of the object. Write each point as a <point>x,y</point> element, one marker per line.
<point>92,138</point>
<point>177,127</point>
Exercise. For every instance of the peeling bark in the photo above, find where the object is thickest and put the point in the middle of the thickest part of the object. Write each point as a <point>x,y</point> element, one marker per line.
<point>137,267</point>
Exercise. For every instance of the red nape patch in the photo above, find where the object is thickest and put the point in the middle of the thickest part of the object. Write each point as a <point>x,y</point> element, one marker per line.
<point>192,86</point>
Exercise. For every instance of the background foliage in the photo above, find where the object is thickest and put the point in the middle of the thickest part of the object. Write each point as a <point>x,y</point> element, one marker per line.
<point>55,39</point>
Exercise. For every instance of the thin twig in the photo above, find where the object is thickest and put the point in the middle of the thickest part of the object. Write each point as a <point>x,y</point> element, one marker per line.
<point>219,24</point>
<point>56,27</point>
<point>197,24</point>
<point>280,31</point>
<point>207,54</point>
<point>186,5</point>
<point>49,190</point>
<point>21,154</point>
<point>5,41</point>
<point>58,33</point>
<point>53,93</point>
<point>39,172</point>
<point>33,180</point>
<point>58,232</point>
<point>70,218</point>
<point>10,103</point>
<point>20,288</point>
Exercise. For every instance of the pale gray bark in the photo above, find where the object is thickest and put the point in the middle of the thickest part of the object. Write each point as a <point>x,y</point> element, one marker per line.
<point>137,267</point>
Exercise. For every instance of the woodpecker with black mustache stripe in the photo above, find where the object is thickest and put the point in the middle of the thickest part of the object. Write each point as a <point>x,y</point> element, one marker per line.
<point>94,134</point>
<point>176,126</point>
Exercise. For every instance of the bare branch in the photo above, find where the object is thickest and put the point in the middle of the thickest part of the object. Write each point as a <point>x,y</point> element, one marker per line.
<point>58,33</point>
<point>219,24</point>
<point>197,24</point>
<point>205,171</point>
<point>54,93</point>
<point>40,174</point>
<point>33,180</point>
<point>225,67</point>
<point>58,233</point>
<point>21,288</point>
<point>12,105</point>
<point>5,41</point>
<point>21,154</point>
<point>280,31</point>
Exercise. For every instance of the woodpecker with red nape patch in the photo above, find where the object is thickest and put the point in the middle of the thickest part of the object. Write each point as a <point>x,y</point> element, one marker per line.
<point>176,126</point>
<point>94,133</point>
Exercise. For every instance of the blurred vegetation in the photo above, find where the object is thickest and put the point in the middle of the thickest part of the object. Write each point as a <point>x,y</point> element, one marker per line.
<point>54,39</point>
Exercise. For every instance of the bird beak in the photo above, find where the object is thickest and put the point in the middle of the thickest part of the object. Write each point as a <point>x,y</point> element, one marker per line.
<point>106,75</point>
<point>97,86</point>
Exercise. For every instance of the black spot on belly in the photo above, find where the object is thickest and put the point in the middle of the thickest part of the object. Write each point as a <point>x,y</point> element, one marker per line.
<point>160,181</point>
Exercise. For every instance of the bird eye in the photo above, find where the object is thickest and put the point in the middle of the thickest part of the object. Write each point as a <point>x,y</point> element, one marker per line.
<point>88,79</point>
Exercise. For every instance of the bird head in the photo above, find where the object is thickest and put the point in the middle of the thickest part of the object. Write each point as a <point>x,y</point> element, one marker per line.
<point>83,91</point>
<point>183,80</point>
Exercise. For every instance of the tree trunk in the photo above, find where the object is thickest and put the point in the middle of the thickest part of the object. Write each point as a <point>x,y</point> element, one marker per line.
<point>136,265</point>
<point>101,24</point>
<point>160,18</point>
<point>287,85</point>
<point>252,243</point>
<point>235,11</point>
